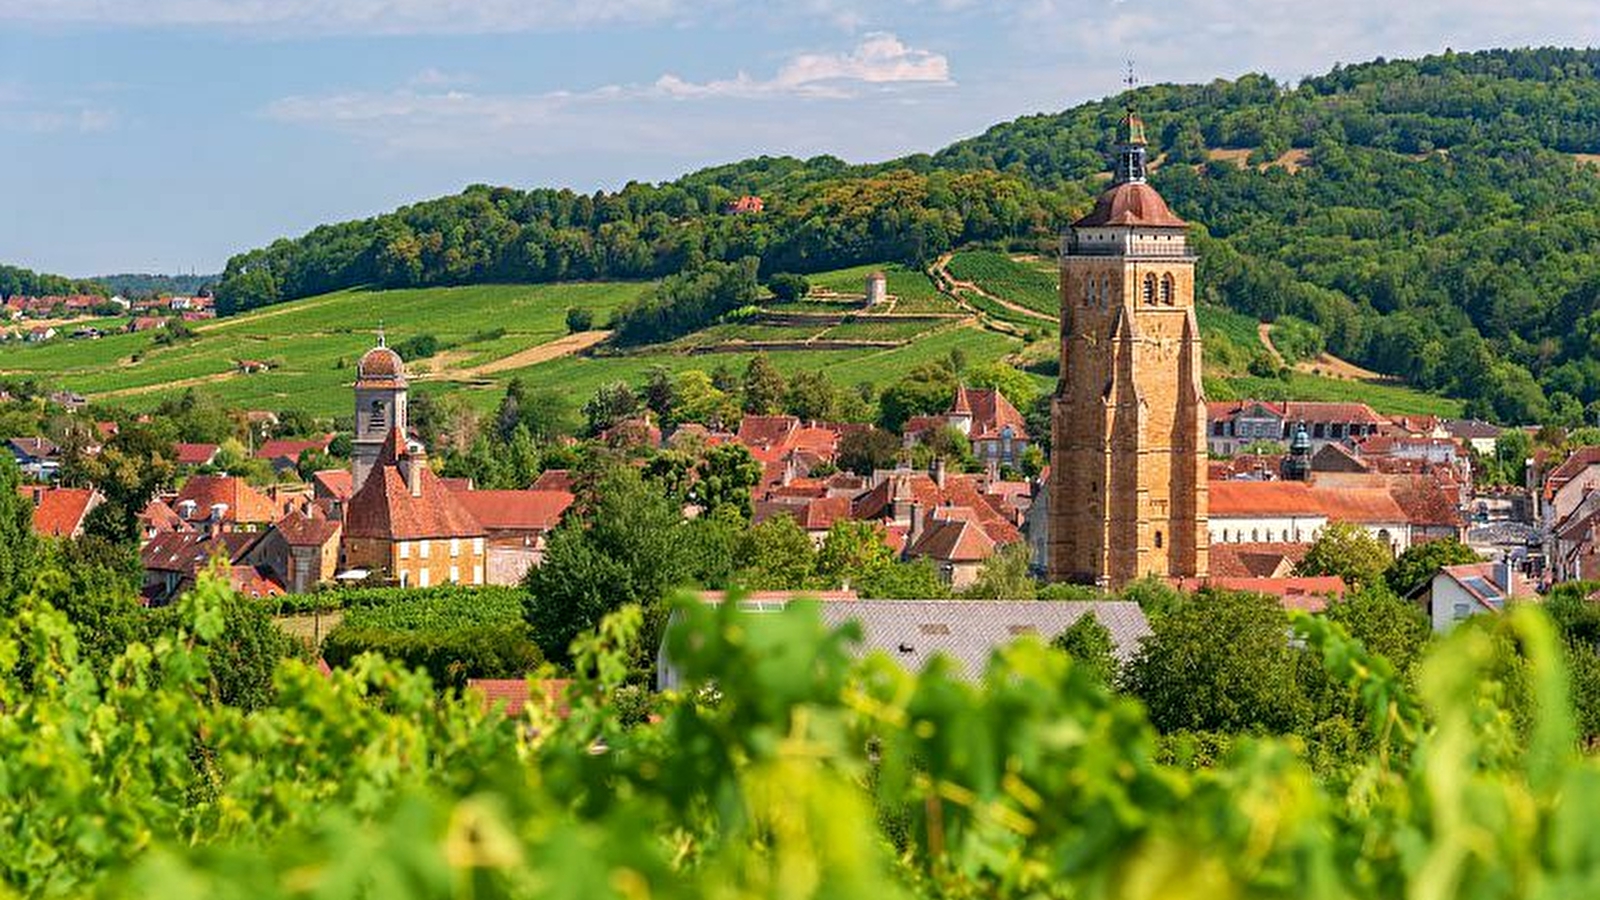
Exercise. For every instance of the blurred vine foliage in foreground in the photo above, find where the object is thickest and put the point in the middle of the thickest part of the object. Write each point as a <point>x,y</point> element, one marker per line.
<point>800,774</point>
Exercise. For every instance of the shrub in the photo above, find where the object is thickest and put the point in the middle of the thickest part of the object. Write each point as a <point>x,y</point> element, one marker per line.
<point>579,319</point>
<point>450,656</point>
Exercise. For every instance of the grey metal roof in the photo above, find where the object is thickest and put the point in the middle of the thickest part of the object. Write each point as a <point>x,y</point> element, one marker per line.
<point>969,631</point>
<point>912,632</point>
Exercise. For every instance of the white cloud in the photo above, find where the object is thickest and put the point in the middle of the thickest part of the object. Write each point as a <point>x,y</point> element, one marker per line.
<point>880,59</point>
<point>437,78</point>
<point>614,117</point>
<point>22,110</point>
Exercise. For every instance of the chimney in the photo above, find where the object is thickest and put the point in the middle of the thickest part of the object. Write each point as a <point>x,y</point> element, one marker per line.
<point>411,468</point>
<point>938,472</point>
<point>186,509</point>
<point>918,520</point>
<point>991,469</point>
<point>791,469</point>
<point>1502,574</point>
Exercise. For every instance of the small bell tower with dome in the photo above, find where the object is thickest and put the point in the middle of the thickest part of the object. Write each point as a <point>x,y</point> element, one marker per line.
<point>380,407</point>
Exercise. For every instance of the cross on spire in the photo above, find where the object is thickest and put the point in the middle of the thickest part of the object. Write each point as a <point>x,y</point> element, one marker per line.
<point>380,334</point>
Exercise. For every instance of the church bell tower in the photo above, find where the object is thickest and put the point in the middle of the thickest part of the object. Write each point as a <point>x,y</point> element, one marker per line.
<point>380,408</point>
<point>1128,460</point>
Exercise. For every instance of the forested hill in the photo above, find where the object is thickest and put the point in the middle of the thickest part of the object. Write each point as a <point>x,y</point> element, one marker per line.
<point>28,283</point>
<point>1438,219</point>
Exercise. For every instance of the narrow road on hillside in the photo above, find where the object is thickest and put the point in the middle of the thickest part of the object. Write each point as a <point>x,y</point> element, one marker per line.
<point>564,346</point>
<point>950,285</point>
<point>1264,331</point>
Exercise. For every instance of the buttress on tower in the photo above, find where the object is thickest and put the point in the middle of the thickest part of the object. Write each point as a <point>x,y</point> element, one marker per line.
<point>1128,460</point>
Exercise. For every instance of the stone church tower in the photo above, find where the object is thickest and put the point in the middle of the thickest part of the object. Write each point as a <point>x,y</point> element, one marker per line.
<point>380,408</point>
<point>1128,462</point>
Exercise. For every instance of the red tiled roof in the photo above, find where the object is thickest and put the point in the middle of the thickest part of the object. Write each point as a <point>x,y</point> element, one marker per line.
<point>291,448</point>
<point>516,510</point>
<point>1307,593</point>
<point>953,540</point>
<point>245,503</point>
<point>759,432</point>
<point>59,512</point>
<point>1255,559</point>
<point>919,424</point>
<point>194,454</point>
<point>380,363</point>
<point>1298,410</point>
<point>1581,459</point>
<point>384,507</point>
<point>1131,203</point>
<point>1369,506</point>
<point>161,518</point>
<point>302,530</point>
<point>553,480</point>
<point>189,551</point>
<point>1239,499</point>
<point>512,695</point>
<point>334,483</point>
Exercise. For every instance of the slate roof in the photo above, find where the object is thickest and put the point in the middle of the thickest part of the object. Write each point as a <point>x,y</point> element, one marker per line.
<point>33,447</point>
<point>912,632</point>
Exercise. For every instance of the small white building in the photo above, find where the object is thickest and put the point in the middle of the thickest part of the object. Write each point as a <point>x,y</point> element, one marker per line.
<point>1458,592</point>
<point>877,289</point>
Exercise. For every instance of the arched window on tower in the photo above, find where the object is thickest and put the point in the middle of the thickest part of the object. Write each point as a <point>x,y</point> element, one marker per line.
<point>1150,290</point>
<point>375,415</point>
<point>1167,289</point>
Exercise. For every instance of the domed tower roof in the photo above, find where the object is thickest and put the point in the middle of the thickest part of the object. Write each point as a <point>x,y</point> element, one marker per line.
<point>380,367</point>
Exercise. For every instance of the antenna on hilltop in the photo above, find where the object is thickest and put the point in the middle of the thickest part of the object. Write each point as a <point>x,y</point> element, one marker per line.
<point>1130,79</point>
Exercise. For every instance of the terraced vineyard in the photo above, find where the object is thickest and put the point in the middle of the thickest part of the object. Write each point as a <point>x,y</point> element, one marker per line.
<point>1019,282</point>
<point>492,333</point>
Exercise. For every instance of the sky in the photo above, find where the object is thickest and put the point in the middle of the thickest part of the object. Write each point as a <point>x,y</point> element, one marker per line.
<point>167,135</point>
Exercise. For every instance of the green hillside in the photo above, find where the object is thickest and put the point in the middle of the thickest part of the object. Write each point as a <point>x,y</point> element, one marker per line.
<point>485,335</point>
<point>1417,212</point>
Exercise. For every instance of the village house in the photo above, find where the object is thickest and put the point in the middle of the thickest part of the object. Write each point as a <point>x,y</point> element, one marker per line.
<point>219,503</point>
<point>996,431</point>
<point>38,458</point>
<point>404,525</point>
<point>299,551</point>
<point>60,512</point>
<point>193,455</point>
<point>173,561</point>
<point>1236,424</point>
<point>283,454</point>
<point>1459,592</point>
<point>516,524</point>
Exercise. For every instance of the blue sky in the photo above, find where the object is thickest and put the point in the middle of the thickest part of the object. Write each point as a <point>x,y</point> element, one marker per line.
<point>165,135</point>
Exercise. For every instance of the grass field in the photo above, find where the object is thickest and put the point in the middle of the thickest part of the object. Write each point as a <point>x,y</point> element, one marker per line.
<point>1391,399</point>
<point>913,289</point>
<point>316,342</point>
<point>1004,277</point>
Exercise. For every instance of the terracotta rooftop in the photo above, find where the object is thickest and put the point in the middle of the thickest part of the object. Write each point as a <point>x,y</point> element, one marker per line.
<point>1133,204</point>
<point>956,540</point>
<point>194,454</point>
<point>384,508</point>
<point>1240,499</point>
<point>245,503</point>
<point>334,483</point>
<point>291,448</point>
<point>1255,560</point>
<point>302,530</point>
<point>512,695</point>
<point>516,510</point>
<point>554,480</point>
<point>59,512</point>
